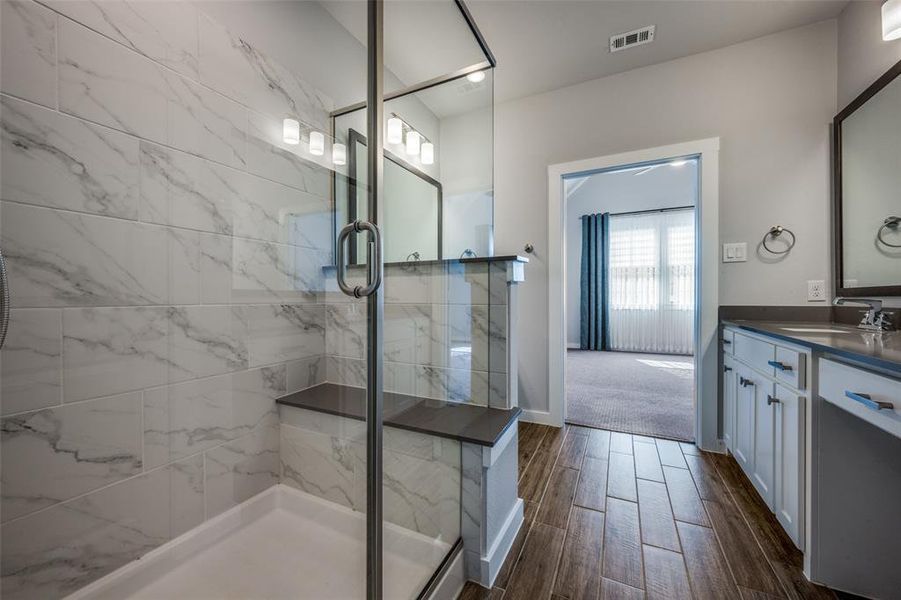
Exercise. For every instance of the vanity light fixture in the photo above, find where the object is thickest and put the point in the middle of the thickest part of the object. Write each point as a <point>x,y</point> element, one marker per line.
<point>413,142</point>
<point>317,143</point>
<point>291,131</point>
<point>339,154</point>
<point>891,20</point>
<point>428,153</point>
<point>476,77</point>
<point>395,133</point>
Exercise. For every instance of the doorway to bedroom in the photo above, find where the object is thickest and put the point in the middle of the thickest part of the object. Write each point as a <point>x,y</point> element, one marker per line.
<point>631,298</point>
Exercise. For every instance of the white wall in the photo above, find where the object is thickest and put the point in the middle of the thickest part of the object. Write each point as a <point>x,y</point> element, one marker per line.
<point>618,191</point>
<point>862,54</point>
<point>769,101</point>
<point>467,176</point>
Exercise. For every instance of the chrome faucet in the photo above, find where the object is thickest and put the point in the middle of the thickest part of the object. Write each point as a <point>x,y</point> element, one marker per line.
<point>875,319</point>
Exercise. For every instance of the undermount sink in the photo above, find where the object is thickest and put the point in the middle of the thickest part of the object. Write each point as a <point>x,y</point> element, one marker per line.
<point>824,329</point>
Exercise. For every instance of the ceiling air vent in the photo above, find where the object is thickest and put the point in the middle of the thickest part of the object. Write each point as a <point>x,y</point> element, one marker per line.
<point>638,37</point>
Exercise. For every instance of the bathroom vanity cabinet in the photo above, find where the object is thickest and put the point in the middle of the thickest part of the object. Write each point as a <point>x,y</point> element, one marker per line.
<point>765,387</point>
<point>812,414</point>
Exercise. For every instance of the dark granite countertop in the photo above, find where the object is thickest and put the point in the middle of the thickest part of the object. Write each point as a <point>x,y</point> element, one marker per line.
<point>881,350</point>
<point>457,421</point>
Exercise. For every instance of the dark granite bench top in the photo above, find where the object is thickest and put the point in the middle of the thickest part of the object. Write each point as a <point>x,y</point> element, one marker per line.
<point>470,260</point>
<point>464,422</point>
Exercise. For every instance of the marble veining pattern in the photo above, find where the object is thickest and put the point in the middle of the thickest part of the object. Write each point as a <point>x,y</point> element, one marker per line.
<point>235,67</point>
<point>68,545</point>
<point>53,160</point>
<point>243,468</point>
<point>28,57</point>
<point>61,258</point>
<point>163,31</point>
<point>58,453</point>
<point>187,418</point>
<point>32,360</point>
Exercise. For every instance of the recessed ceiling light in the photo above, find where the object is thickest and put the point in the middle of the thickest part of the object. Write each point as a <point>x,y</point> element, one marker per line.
<point>476,77</point>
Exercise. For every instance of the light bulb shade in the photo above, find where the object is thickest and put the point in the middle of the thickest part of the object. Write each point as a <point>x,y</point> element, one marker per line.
<point>317,143</point>
<point>291,131</point>
<point>339,154</point>
<point>428,153</point>
<point>413,142</point>
<point>395,133</point>
<point>891,20</point>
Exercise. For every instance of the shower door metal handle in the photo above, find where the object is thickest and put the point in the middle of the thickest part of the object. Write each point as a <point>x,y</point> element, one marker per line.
<point>374,276</point>
<point>4,300</point>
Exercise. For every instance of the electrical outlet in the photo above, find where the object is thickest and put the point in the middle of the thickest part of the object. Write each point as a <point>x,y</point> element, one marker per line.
<point>816,290</point>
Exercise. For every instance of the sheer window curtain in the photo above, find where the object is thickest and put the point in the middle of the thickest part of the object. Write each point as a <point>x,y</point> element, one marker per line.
<point>652,282</point>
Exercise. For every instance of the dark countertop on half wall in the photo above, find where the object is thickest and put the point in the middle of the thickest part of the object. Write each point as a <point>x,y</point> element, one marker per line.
<point>454,420</point>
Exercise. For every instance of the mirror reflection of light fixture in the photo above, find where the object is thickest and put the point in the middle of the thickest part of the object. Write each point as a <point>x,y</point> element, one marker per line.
<point>291,131</point>
<point>476,77</point>
<point>339,154</point>
<point>317,143</point>
<point>395,133</point>
<point>891,20</point>
<point>413,141</point>
<point>679,163</point>
<point>428,153</point>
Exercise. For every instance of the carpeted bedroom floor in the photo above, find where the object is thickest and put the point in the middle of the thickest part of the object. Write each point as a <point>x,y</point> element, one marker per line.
<point>647,394</point>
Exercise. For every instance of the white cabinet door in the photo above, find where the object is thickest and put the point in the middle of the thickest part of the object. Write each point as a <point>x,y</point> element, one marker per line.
<point>789,485</point>
<point>743,431</point>
<point>728,402</point>
<point>763,474</point>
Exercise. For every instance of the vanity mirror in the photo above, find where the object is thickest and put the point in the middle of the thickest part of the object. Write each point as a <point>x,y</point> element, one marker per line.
<point>867,188</point>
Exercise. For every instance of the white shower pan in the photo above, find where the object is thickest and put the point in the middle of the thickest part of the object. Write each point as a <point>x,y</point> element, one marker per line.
<point>282,543</point>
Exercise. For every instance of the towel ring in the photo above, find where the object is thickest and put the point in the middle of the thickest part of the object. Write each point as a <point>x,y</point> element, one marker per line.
<point>774,232</point>
<point>893,223</point>
<point>413,256</point>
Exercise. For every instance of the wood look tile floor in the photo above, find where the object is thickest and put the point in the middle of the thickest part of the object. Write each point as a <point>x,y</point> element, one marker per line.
<point>610,515</point>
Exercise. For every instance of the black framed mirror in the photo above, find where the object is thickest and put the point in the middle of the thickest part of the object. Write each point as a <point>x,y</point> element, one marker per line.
<point>412,205</point>
<point>867,191</point>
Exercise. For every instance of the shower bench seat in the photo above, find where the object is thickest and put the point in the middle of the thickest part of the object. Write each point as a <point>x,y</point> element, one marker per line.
<point>321,424</point>
<point>467,423</point>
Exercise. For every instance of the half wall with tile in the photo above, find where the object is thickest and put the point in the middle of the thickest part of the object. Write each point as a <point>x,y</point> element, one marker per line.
<point>449,328</point>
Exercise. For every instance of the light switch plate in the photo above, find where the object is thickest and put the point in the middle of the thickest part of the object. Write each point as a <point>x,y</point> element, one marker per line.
<point>816,290</point>
<point>735,252</point>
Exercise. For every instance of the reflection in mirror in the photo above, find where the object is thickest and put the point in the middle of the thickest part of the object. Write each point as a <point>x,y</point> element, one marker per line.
<point>411,205</point>
<point>438,182</point>
<point>868,186</point>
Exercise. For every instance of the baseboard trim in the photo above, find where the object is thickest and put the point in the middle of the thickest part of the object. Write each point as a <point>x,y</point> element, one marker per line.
<point>493,560</point>
<point>540,417</point>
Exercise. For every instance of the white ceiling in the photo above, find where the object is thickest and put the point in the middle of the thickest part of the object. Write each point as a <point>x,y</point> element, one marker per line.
<point>541,45</point>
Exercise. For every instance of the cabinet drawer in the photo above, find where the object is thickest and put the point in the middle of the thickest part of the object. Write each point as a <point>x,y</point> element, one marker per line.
<point>728,341</point>
<point>871,397</point>
<point>754,352</point>
<point>790,367</point>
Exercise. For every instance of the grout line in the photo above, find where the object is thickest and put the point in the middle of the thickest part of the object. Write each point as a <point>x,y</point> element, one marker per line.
<point>166,146</point>
<point>155,225</point>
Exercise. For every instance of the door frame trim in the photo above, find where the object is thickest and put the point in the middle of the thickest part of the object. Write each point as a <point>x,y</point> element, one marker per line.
<point>706,321</point>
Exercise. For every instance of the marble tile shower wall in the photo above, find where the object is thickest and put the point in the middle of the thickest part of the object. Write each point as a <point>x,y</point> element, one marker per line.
<point>165,256</point>
<point>444,336</point>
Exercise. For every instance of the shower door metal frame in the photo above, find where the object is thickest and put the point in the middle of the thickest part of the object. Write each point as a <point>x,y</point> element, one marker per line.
<point>375,303</point>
